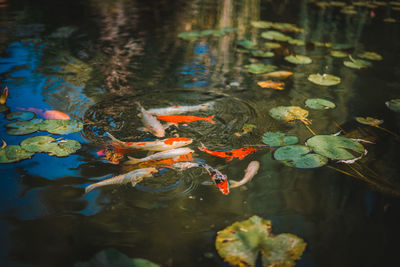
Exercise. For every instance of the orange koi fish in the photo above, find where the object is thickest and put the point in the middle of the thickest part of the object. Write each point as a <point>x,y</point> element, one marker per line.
<point>157,145</point>
<point>182,118</point>
<point>168,154</point>
<point>48,114</point>
<point>4,95</point>
<point>278,74</point>
<point>271,84</point>
<point>240,153</point>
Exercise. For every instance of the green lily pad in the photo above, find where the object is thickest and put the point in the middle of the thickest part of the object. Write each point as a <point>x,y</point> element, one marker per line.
<point>13,153</point>
<point>335,147</point>
<point>190,36</point>
<point>240,244</point>
<point>259,68</point>
<point>64,148</point>
<point>279,139</point>
<point>20,115</point>
<point>260,53</point>
<point>289,113</point>
<point>300,157</point>
<point>3,108</point>
<point>357,63</point>
<point>369,121</point>
<point>297,42</point>
<point>324,79</point>
<point>21,127</point>
<point>61,126</point>
<point>341,46</point>
<point>272,45</point>
<point>393,104</point>
<point>261,24</point>
<point>38,143</point>
<point>247,44</point>
<point>370,56</point>
<point>287,27</point>
<point>319,103</point>
<point>338,54</point>
<point>112,257</point>
<point>274,35</point>
<point>298,59</point>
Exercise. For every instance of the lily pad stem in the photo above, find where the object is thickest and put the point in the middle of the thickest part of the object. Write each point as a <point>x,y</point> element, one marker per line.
<point>386,130</point>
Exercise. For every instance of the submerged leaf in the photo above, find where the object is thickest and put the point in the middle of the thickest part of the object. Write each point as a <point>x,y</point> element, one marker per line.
<point>258,68</point>
<point>21,127</point>
<point>20,115</point>
<point>289,114</point>
<point>61,126</point>
<point>300,157</point>
<point>335,147</point>
<point>393,104</point>
<point>278,139</point>
<point>324,79</point>
<point>319,103</point>
<point>240,243</point>
<point>369,121</point>
<point>298,59</point>
<point>271,84</point>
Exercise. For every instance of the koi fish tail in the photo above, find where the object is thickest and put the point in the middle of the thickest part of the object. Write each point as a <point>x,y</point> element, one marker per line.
<point>133,161</point>
<point>210,119</point>
<point>202,147</point>
<point>114,140</point>
<point>90,188</point>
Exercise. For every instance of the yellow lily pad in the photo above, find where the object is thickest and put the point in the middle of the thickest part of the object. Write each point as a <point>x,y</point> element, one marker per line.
<point>289,114</point>
<point>369,121</point>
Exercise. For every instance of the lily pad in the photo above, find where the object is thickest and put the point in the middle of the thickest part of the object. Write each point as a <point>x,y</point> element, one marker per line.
<point>259,68</point>
<point>357,63</point>
<point>393,104</point>
<point>338,54</point>
<point>370,56</point>
<point>271,45</point>
<point>274,35</point>
<point>300,157</point>
<point>287,27</point>
<point>279,139</point>
<point>190,36</point>
<point>369,121</point>
<point>38,143</point>
<point>247,44</point>
<point>319,103</point>
<point>260,53</point>
<point>296,42</point>
<point>112,257</point>
<point>335,147</point>
<point>289,114</point>
<point>20,115</point>
<point>13,153</point>
<point>64,148</point>
<point>21,127</point>
<point>241,243</point>
<point>298,59</point>
<point>324,79</point>
<point>261,24</point>
<point>61,126</point>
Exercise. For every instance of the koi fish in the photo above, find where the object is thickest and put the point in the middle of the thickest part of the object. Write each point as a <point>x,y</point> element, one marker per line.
<point>112,155</point>
<point>278,74</point>
<point>132,177</point>
<point>48,114</point>
<point>157,145</point>
<point>151,124</point>
<point>4,96</point>
<point>180,109</point>
<point>249,173</point>
<point>166,162</point>
<point>240,153</point>
<point>181,118</point>
<point>271,84</point>
<point>173,153</point>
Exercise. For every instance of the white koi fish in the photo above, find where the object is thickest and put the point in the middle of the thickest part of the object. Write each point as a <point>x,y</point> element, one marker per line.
<point>180,109</point>
<point>132,177</point>
<point>157,145</point>
<point>250,172</point>
<point>173,153</point>
<point>151,123</point>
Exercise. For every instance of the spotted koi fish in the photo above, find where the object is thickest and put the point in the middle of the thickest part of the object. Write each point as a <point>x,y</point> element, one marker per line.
<point>180,109</point>
<point>182,119</point>
<point>240,153</point>
<point>157,145</point>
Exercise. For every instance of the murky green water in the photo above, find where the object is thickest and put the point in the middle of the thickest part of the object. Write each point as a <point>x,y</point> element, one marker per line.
<point>125,51</point>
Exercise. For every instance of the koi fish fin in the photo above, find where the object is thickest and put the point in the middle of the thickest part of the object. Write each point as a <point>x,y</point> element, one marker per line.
<point>207,183</point>
<point>90,188</point>
<point>202,147</point>
<point>210,119</point>
<point>4,144</point>
<point>113,139</point>
<point>233,183</point>
<point>150,153</point>
<point>133,161</point>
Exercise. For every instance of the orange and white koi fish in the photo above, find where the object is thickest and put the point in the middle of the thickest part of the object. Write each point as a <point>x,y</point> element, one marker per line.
<point>182,119</point>
<point>157,145</point>
<point>167,162</point>
<point>240,153</point>
<point>150,122</point>
<point>132,177</point>
<point>48,114</point>
<point>173,154</point>
<point>250,172</point>
<point>4,96</point>
<point>282,74</point>
<point>180,109</point>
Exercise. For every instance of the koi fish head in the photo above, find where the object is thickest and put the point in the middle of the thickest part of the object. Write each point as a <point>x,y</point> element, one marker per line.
<point>221,182</point>
<point>178,141</point>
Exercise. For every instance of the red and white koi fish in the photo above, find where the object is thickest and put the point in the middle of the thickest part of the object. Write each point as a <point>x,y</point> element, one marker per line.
<point>250,172</point>
<point>180,109</point>
<point>4,96</point>
<point>150,123</point>
<point>168,154</point>
<point>48,114</point>
<point>240,153</point>
<point>183,119</point>
<point>157,145</point>
<point>132,177</point>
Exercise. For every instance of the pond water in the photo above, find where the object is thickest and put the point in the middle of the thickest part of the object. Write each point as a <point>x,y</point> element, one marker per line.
<point>93,59</point>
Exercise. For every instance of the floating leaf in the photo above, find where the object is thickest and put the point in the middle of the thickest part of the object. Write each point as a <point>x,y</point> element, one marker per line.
<point>274,35</point>
<point>289,114</point>
<point>260,53</point>
<point>389,20</point>
<point>282,74</point>
<point>296,42</point>
<point>258,68</point>
<point>286,27</point>
<point>370,56</point>
<point>369,121</point>
<point>357,63</point>
<point>246,44</point>
<point>393,104</point>
<point>241,243</point>
<point>189,36</point>
<point>338,54</point>
<point>279,139</point>
<point>20,115</point>
<point>64,148</point>
<point>272,45</point>
<point>335,147</point>
<point>298,59</point>
<point>271,84</point>
<point>319,103</point>
<point>61,126</point>
<point>22,127</point>
<point>324,79</point>
<point>112,257</point>
<point>261,24</point>
<point>14,153</point>
<point>38,143</point>
<point>300,157</point>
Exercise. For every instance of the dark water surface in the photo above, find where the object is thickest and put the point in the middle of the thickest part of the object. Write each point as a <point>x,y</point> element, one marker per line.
<point>123,51</point>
